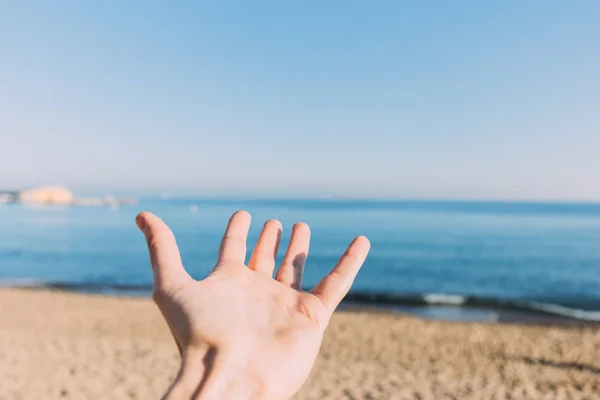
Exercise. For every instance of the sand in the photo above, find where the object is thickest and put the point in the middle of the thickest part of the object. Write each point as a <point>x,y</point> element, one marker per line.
<point>56,345</point>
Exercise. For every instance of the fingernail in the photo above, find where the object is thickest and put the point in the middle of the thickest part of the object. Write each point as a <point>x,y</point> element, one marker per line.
<point>139,221</point>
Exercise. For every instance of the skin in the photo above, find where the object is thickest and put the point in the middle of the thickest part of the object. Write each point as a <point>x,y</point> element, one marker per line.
<point>243,334</point>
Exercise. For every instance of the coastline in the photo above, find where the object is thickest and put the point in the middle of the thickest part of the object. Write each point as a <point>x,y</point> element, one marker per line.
<point>61,345</point>
<point>443,307</point>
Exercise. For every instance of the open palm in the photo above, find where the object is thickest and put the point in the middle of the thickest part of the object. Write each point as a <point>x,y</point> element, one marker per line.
<point>241,333</point>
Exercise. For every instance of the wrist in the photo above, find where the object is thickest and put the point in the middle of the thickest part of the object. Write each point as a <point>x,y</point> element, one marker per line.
<point>230,383</point>
<point>207,375</point>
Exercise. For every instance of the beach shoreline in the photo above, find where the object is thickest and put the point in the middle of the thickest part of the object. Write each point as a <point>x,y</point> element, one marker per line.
<point>58,345</point>
<point>454,308</point>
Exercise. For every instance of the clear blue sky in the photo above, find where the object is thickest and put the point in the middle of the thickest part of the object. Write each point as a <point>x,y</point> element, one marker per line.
<point>429,99</point>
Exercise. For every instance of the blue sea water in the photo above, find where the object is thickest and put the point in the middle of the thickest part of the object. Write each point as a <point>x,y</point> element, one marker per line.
<point>538,253</point>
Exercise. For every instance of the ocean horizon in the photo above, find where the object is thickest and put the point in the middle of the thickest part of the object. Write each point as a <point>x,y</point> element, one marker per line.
<point>437,255</point>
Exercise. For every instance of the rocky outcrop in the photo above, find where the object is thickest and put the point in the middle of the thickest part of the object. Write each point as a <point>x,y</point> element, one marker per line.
<point>58,195</point>
<point>45,195</point>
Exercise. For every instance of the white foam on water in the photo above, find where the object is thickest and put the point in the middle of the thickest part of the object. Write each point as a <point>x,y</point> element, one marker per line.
<point>439,298</point>
<point>584,315</point>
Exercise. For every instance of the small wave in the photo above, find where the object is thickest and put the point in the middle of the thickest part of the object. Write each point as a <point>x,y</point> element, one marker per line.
<point>86,287</point>
<point>365,298</point>
<point>21,282</point>
<point>447,299</point>
<point>556,309</point>
<point>450,300</point>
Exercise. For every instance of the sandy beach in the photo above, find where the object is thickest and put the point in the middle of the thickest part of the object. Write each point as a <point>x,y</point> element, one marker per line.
<point>57,345</point>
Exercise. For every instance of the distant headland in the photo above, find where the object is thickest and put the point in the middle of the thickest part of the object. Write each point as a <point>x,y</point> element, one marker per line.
<point>58,195</point>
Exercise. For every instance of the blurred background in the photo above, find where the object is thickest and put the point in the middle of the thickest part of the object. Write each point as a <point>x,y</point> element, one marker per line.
<point>461,138</point>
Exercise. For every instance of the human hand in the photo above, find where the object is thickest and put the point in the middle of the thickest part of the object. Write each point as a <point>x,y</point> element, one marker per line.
<point>241,333</point>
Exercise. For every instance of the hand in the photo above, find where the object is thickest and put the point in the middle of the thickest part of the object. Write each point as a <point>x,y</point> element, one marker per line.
<point>241,333</point>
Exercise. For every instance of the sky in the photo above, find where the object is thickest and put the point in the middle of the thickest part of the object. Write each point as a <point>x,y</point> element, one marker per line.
<point>392,99</point>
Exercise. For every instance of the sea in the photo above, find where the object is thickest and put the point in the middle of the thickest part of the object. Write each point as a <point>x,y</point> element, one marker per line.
<point>452,260</point>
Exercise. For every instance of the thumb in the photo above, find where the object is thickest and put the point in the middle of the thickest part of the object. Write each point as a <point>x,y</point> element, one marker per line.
<point>166,263</point>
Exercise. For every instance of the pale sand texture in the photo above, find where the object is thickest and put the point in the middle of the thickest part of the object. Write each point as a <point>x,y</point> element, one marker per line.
<point>59,345</point>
